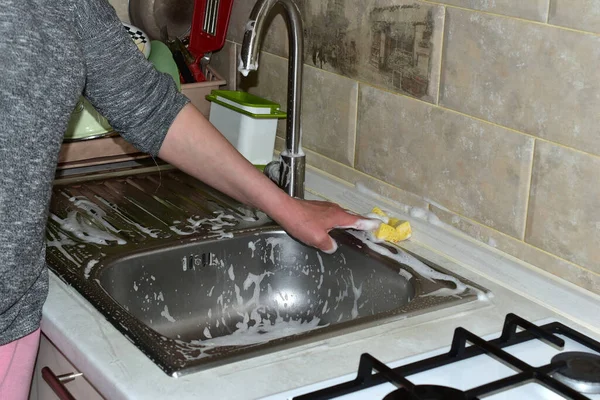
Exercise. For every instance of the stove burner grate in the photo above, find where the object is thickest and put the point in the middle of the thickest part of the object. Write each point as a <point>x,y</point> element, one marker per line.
<point>544,375</point>
<point>581,372</point>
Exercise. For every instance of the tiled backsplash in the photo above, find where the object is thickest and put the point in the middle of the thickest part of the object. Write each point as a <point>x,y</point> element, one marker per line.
<point>485,112</point>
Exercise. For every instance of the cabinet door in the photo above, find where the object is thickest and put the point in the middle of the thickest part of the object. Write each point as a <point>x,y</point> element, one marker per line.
<point>50,356</point>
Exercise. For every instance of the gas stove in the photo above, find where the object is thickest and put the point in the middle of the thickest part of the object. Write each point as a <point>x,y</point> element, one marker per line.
<point>526,361</point>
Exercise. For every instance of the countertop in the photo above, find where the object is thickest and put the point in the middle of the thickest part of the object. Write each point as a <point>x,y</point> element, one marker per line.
<point>120,371</point>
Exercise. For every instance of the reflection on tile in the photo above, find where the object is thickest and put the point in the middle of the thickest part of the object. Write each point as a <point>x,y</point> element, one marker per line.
<point>391,43</point>
<point>479,170</point>
<point>523,251</point>
<point>536,10</point>
<point>581,14</point>
<point>224,62</point>
<point>535,78</point>
<point>564,210</point>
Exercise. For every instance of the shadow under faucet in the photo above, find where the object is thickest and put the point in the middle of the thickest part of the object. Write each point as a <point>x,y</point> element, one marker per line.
<point>292,164</point>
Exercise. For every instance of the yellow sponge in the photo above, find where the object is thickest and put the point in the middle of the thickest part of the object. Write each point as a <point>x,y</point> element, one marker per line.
<point>378,211</point>
<point>404,230</point>
<point>395,222</point>
<point>395,231</point>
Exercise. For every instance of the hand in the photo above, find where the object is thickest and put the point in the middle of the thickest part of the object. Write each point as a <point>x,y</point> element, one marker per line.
<point>311,221</point>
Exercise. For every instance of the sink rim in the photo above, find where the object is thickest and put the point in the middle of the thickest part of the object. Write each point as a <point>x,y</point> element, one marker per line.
<point>138,202</point>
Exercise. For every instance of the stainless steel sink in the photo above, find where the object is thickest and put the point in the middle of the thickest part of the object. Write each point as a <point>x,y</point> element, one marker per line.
<point>195,279</point>
<point>249,285</point>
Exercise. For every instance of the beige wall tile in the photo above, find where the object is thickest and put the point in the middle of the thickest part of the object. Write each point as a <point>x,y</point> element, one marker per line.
<point>537,79</point>
<point>328,106</point>
<point>224,62</point>
<point>536,10</point>
<point>476,169</point>
<point>329,114</point>
<point>402,198</point>
<point>564,210</point>
<point>121,6</point>
<point>523,251</point>
<point>238,19</point>
<point>355,177</point>
<point>580,14</point>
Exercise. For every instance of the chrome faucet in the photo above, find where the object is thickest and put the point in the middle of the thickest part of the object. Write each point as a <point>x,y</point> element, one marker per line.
<point>291,166</point>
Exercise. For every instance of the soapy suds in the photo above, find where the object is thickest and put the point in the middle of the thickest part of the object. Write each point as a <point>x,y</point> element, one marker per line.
<point>357,291</point>
<point>413,212</point>
<point>404,258</point>
<point>262,332</point>
<point>252,246</point>
<point>322,271</point>
<point>206,333</point>
<point>165,313</point>
<point>231,274</point>
<point>60,240</point>
<point>88,268</point>
<point>84,231</point>
<point>216,225</point>
<point>274,242</point>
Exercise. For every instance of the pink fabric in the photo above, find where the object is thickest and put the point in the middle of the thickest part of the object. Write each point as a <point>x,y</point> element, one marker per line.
<point>17,360</point>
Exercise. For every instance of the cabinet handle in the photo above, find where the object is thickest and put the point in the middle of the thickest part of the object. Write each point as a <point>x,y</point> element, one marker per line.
<point>56,382</point>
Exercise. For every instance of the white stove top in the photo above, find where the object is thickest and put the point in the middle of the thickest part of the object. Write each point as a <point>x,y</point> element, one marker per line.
<point>465,374</point>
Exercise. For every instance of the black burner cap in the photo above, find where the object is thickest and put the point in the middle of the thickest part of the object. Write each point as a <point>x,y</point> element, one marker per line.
<point>427,392</point>
<point>581,372</point>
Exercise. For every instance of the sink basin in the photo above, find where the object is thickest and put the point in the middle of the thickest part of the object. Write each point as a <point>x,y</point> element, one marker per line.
<point>254,287</point>
<point>196,280</point>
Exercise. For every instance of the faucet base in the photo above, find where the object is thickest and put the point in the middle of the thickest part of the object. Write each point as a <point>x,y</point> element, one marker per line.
<point>291,174</point>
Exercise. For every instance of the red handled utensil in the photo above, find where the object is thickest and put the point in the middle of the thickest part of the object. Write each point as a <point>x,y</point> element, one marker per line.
<point>209,28</point>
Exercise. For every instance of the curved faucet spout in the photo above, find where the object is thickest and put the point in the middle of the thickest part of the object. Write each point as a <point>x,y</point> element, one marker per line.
<point>292,166</point>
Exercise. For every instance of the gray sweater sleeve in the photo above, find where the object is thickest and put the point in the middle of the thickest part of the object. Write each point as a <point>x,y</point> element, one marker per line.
<point>139,102</point>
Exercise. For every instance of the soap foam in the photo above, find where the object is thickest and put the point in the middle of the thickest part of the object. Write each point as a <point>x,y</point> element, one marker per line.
<point>422,269</point>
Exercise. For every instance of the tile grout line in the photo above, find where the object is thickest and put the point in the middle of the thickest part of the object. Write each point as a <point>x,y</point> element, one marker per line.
<point>548,12</point>
<point>355,155</point>
<point>542,23</point>
<point>437,102</point>
<point>529,188</point>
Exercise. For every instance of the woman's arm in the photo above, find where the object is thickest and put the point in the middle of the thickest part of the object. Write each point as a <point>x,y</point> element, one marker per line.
<point>144,106</point>
<point>195,146</point>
